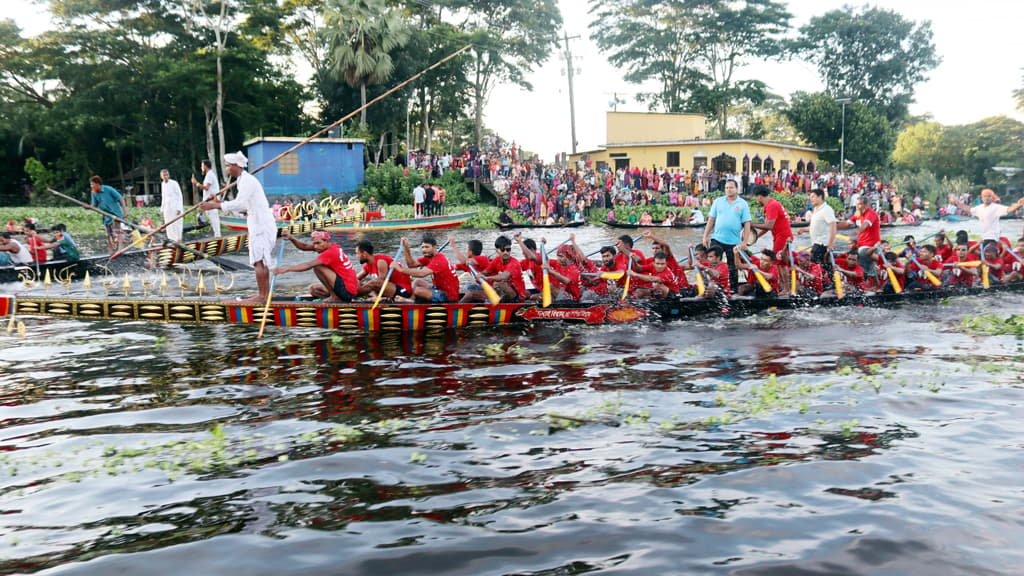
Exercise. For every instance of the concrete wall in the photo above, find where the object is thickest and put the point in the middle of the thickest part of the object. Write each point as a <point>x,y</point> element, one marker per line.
<point>633,127</point>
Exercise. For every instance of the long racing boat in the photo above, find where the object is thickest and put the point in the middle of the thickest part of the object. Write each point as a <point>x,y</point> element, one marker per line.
<point>363,316</point>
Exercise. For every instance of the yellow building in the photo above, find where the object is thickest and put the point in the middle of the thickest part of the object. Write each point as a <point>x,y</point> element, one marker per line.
<point>677,141</point>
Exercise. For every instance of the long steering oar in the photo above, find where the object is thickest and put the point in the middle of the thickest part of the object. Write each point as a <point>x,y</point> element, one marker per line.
<point>222,262</point>
<point>308,139</point>
<point>545,293</point>
<point>757,273</point>
<point>837,276</point>
<point>270,295</point>
<point>698,277</point>
<point>387,277</point>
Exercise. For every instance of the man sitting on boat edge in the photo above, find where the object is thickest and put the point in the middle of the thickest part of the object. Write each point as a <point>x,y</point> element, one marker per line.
<point>375,269</point>
<point>332,267</point>
<point>443,285</point>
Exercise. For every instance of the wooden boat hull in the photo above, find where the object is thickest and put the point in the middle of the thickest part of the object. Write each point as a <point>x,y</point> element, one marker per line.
<point>98,265</point>
<point>416,317</point>
<point>237,223</point>
<point>425,223</point>
<point>628,226</point>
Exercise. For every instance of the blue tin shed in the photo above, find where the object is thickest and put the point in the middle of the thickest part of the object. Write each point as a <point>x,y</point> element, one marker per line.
<point>334,164</point>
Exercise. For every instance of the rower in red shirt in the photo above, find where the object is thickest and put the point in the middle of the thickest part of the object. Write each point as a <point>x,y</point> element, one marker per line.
<point>660,280</point>
<point>375,269</point>
<point>962,276</point>
<point>943,250</point>
<point>776,221</point>
<point>1013,264</point>
<point>503,273</point>
<point>332,267</point>
<point>812,275</point>
<point>852,273</point>
<point>564,273</point>
<point>531,261</point>
<point>870,235</point>
<point>916,276</point>
<point>717,271</point>
<point>769,269</point>
<point>994,263</point>
<point>673,264</point>
<point>435,279</point>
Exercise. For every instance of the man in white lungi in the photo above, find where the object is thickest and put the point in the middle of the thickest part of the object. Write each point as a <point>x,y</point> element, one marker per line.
<point>171,206</point>
<point>209,187</point>
<point>259,218</point>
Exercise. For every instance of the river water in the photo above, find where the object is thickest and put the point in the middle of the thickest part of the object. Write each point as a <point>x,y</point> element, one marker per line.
<point>850,441</point>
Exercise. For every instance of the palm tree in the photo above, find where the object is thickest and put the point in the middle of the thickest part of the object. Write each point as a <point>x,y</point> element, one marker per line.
<point>361,35</point>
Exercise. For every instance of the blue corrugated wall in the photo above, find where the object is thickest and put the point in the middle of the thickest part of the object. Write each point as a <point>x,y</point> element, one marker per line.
<point>334,166</point>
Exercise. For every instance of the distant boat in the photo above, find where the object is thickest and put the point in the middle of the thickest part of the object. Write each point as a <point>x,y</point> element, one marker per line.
<point>425,223</point>
<point>518,225</point>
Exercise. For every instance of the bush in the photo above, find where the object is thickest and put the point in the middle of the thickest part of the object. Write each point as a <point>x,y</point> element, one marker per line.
<point>392,186</point>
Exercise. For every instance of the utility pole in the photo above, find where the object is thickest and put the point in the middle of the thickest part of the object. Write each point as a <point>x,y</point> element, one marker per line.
<point>572,102</point>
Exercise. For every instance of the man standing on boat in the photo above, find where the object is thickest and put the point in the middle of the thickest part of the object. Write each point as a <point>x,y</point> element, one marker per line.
<point>338,282</point>
<point>822,229</point>
<point>259,219</point>
<point>776,221</point>
<point>209,187</point>
<point>988,213</point>
<point>728,226</point>
<point>110,201</point>
<point>866,220</point>
<point>171,205</point>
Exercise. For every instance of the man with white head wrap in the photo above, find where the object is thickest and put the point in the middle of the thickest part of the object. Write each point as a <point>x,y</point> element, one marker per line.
<point>259,219</point>
<point>171,205</point>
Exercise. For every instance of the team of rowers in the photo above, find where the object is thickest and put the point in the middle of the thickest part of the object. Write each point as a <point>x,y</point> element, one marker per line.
<point>33,249</point>
<point>625,271</point>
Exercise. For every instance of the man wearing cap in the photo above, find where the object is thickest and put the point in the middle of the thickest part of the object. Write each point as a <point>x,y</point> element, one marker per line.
<point>171,205</point>
<point>338,282</point>
<point>988,213</point>
<point>259,219</point>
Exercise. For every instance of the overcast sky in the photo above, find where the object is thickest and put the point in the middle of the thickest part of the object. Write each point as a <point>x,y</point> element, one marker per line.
<point>980,43</point>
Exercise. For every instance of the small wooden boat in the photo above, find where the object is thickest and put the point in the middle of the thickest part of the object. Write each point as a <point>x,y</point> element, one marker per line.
<point>518,225</point>
<point>414,317</point>
<point>628,225</point>
<point>239,222</point>
<point>424,223</point>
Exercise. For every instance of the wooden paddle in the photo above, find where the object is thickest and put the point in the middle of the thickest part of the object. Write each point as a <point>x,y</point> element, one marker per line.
<point>927,273</point>
<point>222,262</point>
<point>698,277</point>
<point>792,270</point>
<point>757,272</point>
<point>308,139</point>
<point>489,290</point>
<point>545,293</point>
<point>616,275</point>
<point>270,295</point>
<point>387,277</point>
<point>837,276</point>
<point>985,281</point>
<point>625,287</point>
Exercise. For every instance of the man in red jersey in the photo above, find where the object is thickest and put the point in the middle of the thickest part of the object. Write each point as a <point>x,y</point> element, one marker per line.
<point>960,275</point>
<point>503,273</point>
<point>812,275</point>
<point>530,262</point>
<point>375,269</point>
<point>435,279</point>
<point>993,261</point>
<point>870,235</point>
<point>1013,264</point>
<point>659,279</point>
<point>332,267</point>
<point>917,275</point>
<point>943,249</point>
<point>769,269</point>
<point>564,273</point>
<point>717,271</point>
<point>776,221</point>
<point>673,264</point>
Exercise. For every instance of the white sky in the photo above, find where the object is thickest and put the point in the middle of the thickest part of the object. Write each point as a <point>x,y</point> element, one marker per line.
<point>980,44</point>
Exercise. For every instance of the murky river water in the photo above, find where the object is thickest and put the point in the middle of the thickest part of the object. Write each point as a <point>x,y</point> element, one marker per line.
<point>853,441</point>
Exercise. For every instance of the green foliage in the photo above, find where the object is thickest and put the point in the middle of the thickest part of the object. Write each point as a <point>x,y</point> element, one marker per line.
<point>873,55</point>
<point>917,146</point>
<point>80,222</point>
<point>691,48</point>
<point>993,325</point>
<point>930,187</point>
<point>819,120</point>
<point>391,185</point>
<point>42,180</point>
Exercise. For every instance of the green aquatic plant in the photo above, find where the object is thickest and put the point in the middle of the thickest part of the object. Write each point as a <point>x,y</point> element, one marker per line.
<point>993,325</point>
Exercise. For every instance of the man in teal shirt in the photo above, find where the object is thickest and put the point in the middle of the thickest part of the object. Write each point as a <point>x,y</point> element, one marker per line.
<point>110,201</point>
<point>728,226</point>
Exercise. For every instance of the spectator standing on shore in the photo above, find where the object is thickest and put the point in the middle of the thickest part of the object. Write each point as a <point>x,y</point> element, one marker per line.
<point>418,196</point>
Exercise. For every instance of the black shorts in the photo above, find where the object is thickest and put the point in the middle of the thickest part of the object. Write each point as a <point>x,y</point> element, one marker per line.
<point>340,291</point>
<point>401,291</point>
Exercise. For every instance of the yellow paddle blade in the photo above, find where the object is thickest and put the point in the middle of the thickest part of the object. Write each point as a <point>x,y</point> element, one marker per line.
<point>700,282</point>
<point>984,277</point>
<point>837,278</point>
<point>625,289</point>
<point>843,237</point>
<point>383,287</point>
<point>618,274</point>
<point>971,264</point>
<point>792,280</point>
<point>762,281</point>
<point>894,281</point>
<point>932,278</point>
<point>545,293</point>
<point>491,293</point>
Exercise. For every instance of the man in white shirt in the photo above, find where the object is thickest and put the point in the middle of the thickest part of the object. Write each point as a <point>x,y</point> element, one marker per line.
<point>822,229</point>
<point>259,220</point>
<point>171,206</point>
<point>988,213</point>
<point>419,195</point>
<point>209,187</point>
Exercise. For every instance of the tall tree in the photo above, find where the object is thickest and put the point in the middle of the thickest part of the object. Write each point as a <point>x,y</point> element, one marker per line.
<point>917,146</point>
<point>819,119</point>
<point>510,38</point>
<point>1019,95</point>
<point>692,48</point>
<point>362,34</point>
<point>873,55</point>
